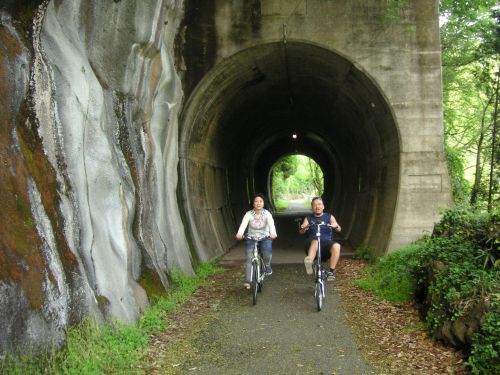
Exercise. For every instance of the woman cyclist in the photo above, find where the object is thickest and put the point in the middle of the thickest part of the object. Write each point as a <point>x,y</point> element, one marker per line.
<point>259,223</point>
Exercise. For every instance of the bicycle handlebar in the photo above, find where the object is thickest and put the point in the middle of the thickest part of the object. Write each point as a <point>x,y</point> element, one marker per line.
<point>258,239</point>
<point>320,223</point>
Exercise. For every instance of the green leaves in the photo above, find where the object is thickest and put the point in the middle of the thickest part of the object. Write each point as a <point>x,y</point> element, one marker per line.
<point>470,40</point>
<point>295,175</point>
<point>452,274</point>
<point>393,277</point>
<point>485,353</point>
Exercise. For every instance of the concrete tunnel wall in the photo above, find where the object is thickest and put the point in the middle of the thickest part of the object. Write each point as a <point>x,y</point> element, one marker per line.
<point>364,90</point>
<point>238,123</point>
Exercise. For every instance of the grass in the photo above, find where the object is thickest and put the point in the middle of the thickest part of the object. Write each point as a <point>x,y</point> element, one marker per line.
<point>281,205</point>
<point>392,277</point>
<point>111,348</point>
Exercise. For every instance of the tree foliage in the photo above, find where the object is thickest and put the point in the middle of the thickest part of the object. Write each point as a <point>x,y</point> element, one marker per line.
<point>470,37</point>
<point>459,185</point>
<point>316,176</point>
<point>295,175</point>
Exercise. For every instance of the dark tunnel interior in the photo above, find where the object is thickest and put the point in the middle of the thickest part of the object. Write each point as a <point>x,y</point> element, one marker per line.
<point>239,121</point>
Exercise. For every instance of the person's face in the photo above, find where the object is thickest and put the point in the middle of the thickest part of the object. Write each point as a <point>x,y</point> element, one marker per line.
<point>317,207</point>
<point>258,203</point>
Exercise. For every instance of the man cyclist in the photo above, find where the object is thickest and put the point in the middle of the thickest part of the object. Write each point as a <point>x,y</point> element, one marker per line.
<point>330,248</point>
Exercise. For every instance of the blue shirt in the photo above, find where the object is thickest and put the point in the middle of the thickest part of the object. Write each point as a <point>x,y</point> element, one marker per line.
<point>325,232</point>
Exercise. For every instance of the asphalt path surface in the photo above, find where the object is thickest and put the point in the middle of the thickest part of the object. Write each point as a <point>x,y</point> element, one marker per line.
<point>283,333</point>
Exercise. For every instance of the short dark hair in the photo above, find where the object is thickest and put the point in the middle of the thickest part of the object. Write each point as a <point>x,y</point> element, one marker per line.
<point>259,195</point>
<point>315,199</point>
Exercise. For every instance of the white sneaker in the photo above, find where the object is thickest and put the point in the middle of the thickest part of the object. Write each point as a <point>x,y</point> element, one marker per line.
<point>308,262</point>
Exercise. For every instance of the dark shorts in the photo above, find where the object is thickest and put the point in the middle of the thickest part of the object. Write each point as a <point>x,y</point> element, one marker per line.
<point>326,246</point>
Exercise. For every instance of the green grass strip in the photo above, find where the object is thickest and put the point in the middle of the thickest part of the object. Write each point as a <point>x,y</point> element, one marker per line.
<point>115,348</point>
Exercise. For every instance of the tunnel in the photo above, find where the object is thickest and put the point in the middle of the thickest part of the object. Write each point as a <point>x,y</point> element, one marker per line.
<point>239,121</point>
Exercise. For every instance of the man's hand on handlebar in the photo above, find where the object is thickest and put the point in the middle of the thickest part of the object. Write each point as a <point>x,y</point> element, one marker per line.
<point>304,227</point>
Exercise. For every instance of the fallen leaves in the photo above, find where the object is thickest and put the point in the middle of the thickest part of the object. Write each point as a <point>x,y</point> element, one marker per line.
<point>392,336</point>
<point>170,346</point>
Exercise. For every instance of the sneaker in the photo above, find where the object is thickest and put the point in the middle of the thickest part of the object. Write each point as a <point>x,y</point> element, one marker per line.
<point>269,270</point>
<point>246,285</point>
<point>330,275</point>
<point>308,262</point>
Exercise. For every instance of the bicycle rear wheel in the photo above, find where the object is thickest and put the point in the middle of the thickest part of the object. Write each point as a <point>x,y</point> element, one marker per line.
<point>255,281</point>
<point>318,293</point>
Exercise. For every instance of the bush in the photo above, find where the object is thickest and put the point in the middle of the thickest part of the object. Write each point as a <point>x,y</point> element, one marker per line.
<point>364,252</point>
<point>455,276</point>
<point>485,353</point>
<point>482,229</point>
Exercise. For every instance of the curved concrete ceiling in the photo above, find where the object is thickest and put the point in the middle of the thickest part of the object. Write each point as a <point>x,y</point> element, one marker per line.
<point>239,120</point>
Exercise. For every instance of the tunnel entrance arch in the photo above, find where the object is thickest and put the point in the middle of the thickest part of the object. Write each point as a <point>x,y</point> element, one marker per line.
<point>238,122</point>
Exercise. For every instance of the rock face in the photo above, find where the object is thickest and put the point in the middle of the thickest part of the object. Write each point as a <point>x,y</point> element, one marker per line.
<point>89,158</point>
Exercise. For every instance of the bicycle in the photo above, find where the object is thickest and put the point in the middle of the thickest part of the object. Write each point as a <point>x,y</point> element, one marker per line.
<point>319,270</point>
<point>258,273</point>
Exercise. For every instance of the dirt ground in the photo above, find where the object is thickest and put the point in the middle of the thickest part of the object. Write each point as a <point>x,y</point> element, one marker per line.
<point>219,331</point>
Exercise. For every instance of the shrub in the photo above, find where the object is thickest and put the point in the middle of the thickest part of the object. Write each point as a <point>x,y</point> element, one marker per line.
<point>455,275</point>
<point>480,228</point>
<point>485,353</point>
<point>364,252</point>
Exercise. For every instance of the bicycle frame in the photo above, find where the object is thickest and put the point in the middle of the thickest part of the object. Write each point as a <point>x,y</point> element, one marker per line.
<point>319,289</point>
<point>319,271</point>
<point>258,273</point>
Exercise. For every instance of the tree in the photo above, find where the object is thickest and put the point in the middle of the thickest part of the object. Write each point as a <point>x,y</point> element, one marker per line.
<point>316,176</point>
<point>287,166</point>
<point>470,36</point>
<point>296,175</point>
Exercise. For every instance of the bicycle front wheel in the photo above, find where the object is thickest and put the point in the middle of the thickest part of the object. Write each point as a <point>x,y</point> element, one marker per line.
<point>261,274</point>
<point>255,281</point>
<point>318,293</point>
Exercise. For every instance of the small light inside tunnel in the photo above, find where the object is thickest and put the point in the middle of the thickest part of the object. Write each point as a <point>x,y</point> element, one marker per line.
<point>294,136</point>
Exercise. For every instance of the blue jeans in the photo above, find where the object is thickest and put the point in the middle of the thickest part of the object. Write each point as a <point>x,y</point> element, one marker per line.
<point>267,253</point>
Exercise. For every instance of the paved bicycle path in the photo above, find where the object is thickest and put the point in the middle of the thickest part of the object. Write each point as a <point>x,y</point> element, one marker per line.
<point>283,333</point>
